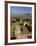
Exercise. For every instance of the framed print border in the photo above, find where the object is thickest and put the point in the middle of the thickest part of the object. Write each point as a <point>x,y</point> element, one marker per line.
<point>6,22</point>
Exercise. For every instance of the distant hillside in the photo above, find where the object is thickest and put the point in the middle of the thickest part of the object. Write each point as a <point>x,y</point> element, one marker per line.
<point>22,16</point>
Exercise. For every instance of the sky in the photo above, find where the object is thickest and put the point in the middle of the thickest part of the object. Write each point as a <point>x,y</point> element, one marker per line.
<point>20,10</point>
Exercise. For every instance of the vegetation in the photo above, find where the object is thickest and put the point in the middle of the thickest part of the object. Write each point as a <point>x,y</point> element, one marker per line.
<point>20,22</point>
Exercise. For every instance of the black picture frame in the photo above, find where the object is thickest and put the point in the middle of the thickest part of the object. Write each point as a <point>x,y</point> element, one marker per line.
<point>6,22</point>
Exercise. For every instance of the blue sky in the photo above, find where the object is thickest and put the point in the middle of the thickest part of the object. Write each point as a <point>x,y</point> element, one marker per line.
<point>20,10</point>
